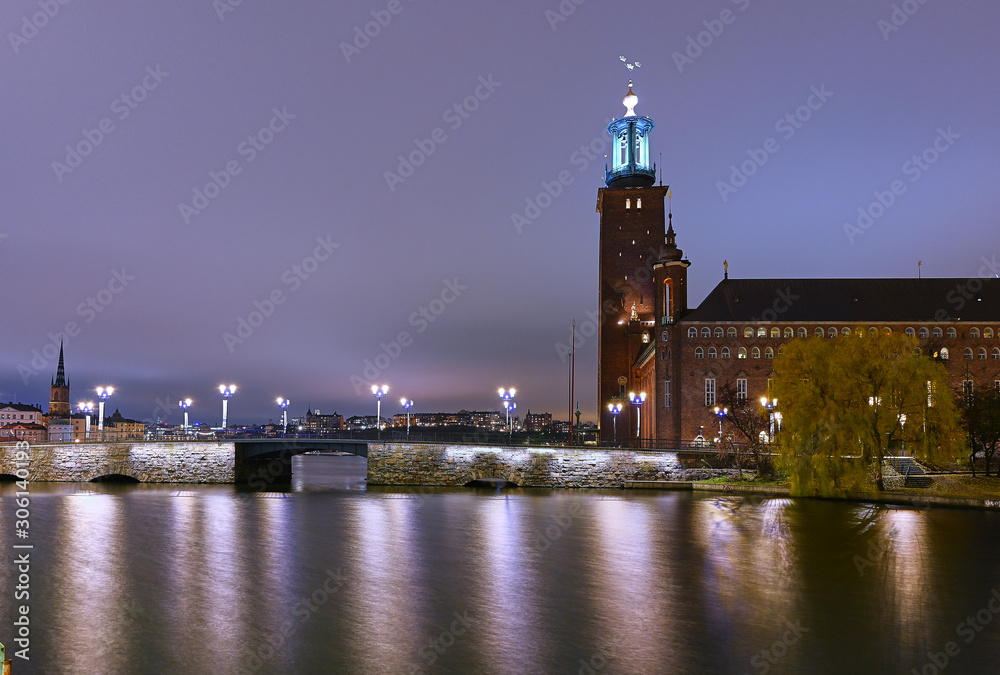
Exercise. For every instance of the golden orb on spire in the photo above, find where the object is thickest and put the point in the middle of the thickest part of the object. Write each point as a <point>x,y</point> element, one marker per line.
<point>630,101</point>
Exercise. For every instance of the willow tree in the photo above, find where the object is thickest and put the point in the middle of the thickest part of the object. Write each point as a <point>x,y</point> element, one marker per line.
<point>844,401</point>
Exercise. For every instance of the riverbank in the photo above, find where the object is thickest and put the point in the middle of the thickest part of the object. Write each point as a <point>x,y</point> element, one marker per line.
<point>948,490</point>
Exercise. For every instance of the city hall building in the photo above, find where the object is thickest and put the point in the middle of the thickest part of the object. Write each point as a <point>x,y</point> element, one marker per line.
<point>653,341</point>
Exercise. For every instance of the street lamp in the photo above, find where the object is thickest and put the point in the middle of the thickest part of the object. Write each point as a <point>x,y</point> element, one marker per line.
<point>770,404</point>
<point>284,402</point>
<point>615,408</point>
<point>507,395</point>
<point>103,393</point>
<point>637,400</point>
<point>88,410</point>
<point>379,393</point>
<point>721,412</point>
<point>407,404</point>
<point>185,404</point>
<point>902,433</point>
<point>227,391</point>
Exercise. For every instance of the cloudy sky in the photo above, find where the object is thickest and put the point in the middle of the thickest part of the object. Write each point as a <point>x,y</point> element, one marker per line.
<point>270,194</point>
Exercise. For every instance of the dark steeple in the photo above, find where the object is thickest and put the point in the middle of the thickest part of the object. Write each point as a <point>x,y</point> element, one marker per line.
<point>60,380</point>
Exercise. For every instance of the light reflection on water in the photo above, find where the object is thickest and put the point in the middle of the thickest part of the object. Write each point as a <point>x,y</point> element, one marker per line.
<point>214,579</point>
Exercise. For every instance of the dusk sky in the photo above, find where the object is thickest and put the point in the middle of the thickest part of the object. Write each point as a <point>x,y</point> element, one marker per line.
<point>223,156</point>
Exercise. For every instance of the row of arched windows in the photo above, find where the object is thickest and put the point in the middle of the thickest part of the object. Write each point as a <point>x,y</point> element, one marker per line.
<point>741,353</point>
<point>802,332</point>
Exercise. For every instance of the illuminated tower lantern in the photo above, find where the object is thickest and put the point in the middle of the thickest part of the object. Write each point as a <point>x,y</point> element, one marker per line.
<point>633,279</point>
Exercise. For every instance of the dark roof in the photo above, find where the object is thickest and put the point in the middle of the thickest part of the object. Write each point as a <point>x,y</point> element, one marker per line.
<point>851,300</point>
<point>21,407</point>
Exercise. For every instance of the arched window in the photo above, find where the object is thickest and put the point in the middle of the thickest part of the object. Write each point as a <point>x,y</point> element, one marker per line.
<point>712,354</point>
<point>718,332</point>
<point>968,353</point>
<point>768,353</point>
<point>952,333</point>
<point>742,353</point>
<point>781,350</point>
<point>944,353</point>
<point>911,332</point>
<point>973,332</point>
<point>872,332</point>
<point>628,203</point>
<point>666,336</point>
<point>706,332</point>
<point>832,332</point>
<point>725,352</point>
<point>859,332</point>
<point>996,354</point>
<point>731,332</point>
<point>638,202</point>
<point>789,333</point>
<point>987,332</point>
<point>982,353</point>
<point>747,332</point>
<point>699,353</point>
<point>846,332</point>
<point>761,332</point>
<point>802,332</point>
<point>887,330</point>
<point>819,332</point>
<point>924,333</point>
<point>692,332</point>
<point>755,353</point>
<point>775,332</point>
<point>936,332</point>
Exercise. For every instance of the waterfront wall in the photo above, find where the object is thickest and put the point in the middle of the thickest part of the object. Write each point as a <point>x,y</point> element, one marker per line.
<point>181,462</point>
<point>420,464</point>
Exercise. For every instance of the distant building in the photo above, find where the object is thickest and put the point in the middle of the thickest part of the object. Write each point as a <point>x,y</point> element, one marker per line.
<point>23,431</point>
<point>362,422</point>
<point>121,428</point>
<point>19,412</point>
<point>537,422</point>
<point>317,423</point>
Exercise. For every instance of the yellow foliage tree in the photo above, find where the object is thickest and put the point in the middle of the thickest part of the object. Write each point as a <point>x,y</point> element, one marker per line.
<point>845,400</point>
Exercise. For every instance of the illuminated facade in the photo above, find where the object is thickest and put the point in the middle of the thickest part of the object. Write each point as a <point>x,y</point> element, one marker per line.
<point>651,341</point>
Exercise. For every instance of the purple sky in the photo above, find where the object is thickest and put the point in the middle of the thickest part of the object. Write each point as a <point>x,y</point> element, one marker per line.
<point>210,85</point>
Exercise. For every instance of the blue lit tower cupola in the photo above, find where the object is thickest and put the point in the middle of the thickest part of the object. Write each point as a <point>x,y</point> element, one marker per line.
<point>631,166</point>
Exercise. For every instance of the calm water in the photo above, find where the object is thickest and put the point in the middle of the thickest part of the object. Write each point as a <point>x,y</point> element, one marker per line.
<point>340,579</point>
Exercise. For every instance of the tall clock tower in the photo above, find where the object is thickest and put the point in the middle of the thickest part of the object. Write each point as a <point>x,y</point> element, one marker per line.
<point>636,268</point>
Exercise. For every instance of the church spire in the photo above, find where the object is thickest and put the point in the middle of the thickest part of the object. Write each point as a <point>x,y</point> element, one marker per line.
<point>60,380</point>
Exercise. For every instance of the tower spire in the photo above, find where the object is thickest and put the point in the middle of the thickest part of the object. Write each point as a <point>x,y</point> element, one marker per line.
<point>60,380</point>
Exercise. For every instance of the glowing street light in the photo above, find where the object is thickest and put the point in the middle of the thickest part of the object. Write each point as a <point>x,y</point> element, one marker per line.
<point>771,404</point>
<point>721,412</point>
<point>184,405</point>
<point>615,409</point>
<point>379,393</point>
<point>284,403</point>
<point>87,409</point>
<point>407,404</point>
<point>637,400</point>
<point>103,393</point>
<point>507,395</point>
<point>227,391</point>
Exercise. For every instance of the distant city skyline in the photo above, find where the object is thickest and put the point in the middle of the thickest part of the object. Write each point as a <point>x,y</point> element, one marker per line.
<point>304,199</point>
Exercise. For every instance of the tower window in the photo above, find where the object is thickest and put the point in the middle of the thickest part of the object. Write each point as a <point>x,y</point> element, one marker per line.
<point>775,332</point>
<point>741,388</point>
<point>709,391</point>
<point>996,354</point>
<point>924,333</point>
<point>789,333</point>
<point>911,332</point>
<point>742,353</point>
<point>968,353</point>
<point>944,353</point>
<point>628,203</point>
<point>846,332</point>
<point>699,353</point>
<point>802,332</point>
<point>725,352</point>
<point>818,332</point>
<point>987,332</point>
<point>748,332</point>
<point>937,333</point>
<point>638,202</point>
<point>718,332</point>
<point>982,353</point>
<point>706,332</point>
<point>952,333</point>
<point>755,353</point>
<point>712,354</point>
<point>731,332</point>
<point>692,332</point>
<point>768,353</point>
<point>762,332</point>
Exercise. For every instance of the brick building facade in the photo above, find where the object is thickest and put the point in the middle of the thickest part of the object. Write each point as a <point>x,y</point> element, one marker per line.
<point>651,342</point>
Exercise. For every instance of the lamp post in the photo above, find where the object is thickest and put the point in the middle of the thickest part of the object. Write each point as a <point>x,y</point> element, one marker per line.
<point>284,403</point>
<point>615,408</point>
<point>721,412</point>
<point>902,433</point>
<point>227,391</point>
<point>103,393</point>
<point>87,409</point>
<point>406,403</point>
<point>185,404</point>
<point>507,396</point>
<point>770,404</point>
<point>637,400</point>
<point>379,393</point>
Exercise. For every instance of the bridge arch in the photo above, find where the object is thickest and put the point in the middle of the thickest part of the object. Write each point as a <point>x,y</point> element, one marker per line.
<point>114,478</point>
